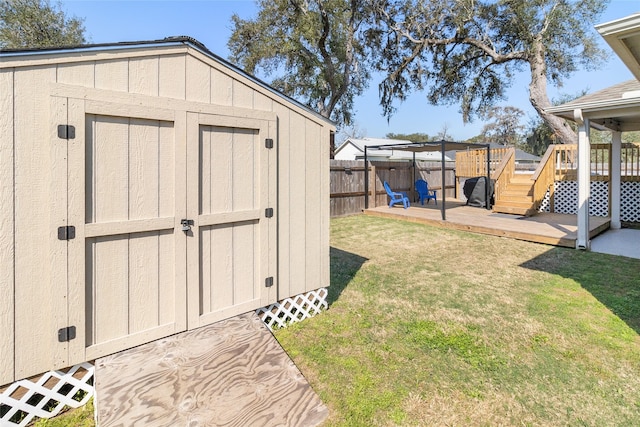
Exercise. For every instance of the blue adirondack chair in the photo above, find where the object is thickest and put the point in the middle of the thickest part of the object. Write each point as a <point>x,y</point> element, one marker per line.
<point>424,193</point>
<point>396,197</point>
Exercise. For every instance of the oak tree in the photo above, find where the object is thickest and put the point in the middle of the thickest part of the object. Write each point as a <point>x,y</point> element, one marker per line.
<point>503,125</point>
<point>468,52</point>
<point>312,50</point>
<point>37,24</point>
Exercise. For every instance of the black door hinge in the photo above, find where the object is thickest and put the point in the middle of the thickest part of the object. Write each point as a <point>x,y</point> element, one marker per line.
<point>268,282</point>
<point>67,232</point>
<point>268,143</point>
<point>66,132</point>
<point>66,334</point>
<point>268,213</point>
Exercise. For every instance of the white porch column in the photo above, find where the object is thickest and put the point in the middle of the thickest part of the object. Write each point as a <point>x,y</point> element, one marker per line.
<point>584,180</point>
<point>615,178</point>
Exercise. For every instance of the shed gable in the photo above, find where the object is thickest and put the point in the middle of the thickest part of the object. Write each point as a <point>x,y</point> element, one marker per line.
<point>151,111</point>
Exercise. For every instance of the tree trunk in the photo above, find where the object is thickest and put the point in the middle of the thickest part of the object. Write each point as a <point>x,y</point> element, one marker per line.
<point>540,100</point>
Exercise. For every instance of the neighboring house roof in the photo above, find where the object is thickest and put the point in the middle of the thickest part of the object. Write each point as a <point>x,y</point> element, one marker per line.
<point>9,54</point>
<point>353,149</point>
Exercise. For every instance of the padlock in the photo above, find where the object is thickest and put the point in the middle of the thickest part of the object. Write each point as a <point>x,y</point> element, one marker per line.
<point>186,224</point>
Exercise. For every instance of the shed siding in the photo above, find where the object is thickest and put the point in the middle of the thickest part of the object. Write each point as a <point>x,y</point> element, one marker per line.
<point>38,300</point>
<point>28,187</point>
<point>144,75</point>
<point>199,82</point>
<point>6,227</point>
<point>169,68</point>
<point>313,212</point>
<point>77,74</point>
<point>297,219</point>
<point>111,75</point>
<point>221,88</point>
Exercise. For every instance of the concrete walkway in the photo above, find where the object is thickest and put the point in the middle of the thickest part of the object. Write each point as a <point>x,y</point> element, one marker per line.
<point>625,242</point>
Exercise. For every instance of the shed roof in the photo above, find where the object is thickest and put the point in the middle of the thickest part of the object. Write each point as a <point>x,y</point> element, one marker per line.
<point>6,55</point>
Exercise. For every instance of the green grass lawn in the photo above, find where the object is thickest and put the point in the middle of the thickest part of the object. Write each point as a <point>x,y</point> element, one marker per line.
<point>436,327</point>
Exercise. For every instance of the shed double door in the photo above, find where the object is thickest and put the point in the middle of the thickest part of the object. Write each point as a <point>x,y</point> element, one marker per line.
<point>169,215</point>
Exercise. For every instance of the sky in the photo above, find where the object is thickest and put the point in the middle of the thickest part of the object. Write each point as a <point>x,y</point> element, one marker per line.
<point>209,21</point>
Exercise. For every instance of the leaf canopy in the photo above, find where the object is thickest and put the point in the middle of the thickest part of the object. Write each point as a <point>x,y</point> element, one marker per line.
<point>312,50</point>
<point>468,52</point>
<point>37,24</point>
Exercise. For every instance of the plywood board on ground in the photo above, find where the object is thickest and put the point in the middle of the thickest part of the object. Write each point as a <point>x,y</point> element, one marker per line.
<point>231,373</point>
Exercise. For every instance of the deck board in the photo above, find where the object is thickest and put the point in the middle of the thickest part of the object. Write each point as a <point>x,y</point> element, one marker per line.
<point>548,228</point>
<point>231,373</point>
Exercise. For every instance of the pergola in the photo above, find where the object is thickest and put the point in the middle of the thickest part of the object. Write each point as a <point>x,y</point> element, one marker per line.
<point>617,109</point>
<point>419,147</point>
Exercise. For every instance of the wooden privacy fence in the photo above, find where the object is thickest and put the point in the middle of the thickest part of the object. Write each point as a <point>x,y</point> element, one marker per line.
<point>347,182</point>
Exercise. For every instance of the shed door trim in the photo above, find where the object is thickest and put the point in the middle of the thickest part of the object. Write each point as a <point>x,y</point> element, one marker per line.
<point>124,163</point>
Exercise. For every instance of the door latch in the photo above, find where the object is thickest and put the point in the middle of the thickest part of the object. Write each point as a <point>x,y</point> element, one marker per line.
<point>186,224</point>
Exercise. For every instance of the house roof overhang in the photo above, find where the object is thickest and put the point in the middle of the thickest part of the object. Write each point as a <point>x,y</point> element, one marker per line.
<point>615,108</point>
<point>623,35</point>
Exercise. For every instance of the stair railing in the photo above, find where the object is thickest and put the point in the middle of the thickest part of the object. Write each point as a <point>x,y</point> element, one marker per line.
<point>544,176</point>
<point>565,160</point>
<point>503,173</point>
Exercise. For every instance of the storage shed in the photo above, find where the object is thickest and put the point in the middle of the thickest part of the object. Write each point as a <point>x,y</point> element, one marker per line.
<point>146,189</point>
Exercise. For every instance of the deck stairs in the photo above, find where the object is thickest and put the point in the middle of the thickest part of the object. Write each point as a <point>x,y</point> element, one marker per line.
<point>517,197</point>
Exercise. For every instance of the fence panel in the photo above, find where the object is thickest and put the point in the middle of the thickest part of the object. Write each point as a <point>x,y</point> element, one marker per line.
<point>346,187</point>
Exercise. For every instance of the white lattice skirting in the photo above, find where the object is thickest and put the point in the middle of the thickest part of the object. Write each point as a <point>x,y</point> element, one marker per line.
<point>47,396</point>
<point>545,205</point>
<point>50,393</point>
<point>294,309</point>
<point>630,196</point>
<point>566,199</point>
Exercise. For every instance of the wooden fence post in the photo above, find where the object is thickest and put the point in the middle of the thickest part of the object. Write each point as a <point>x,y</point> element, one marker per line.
<point>372,185</point>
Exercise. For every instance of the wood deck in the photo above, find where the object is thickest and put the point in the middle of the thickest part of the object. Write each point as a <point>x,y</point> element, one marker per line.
<point>549,228</point>
<point>231,373</point>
